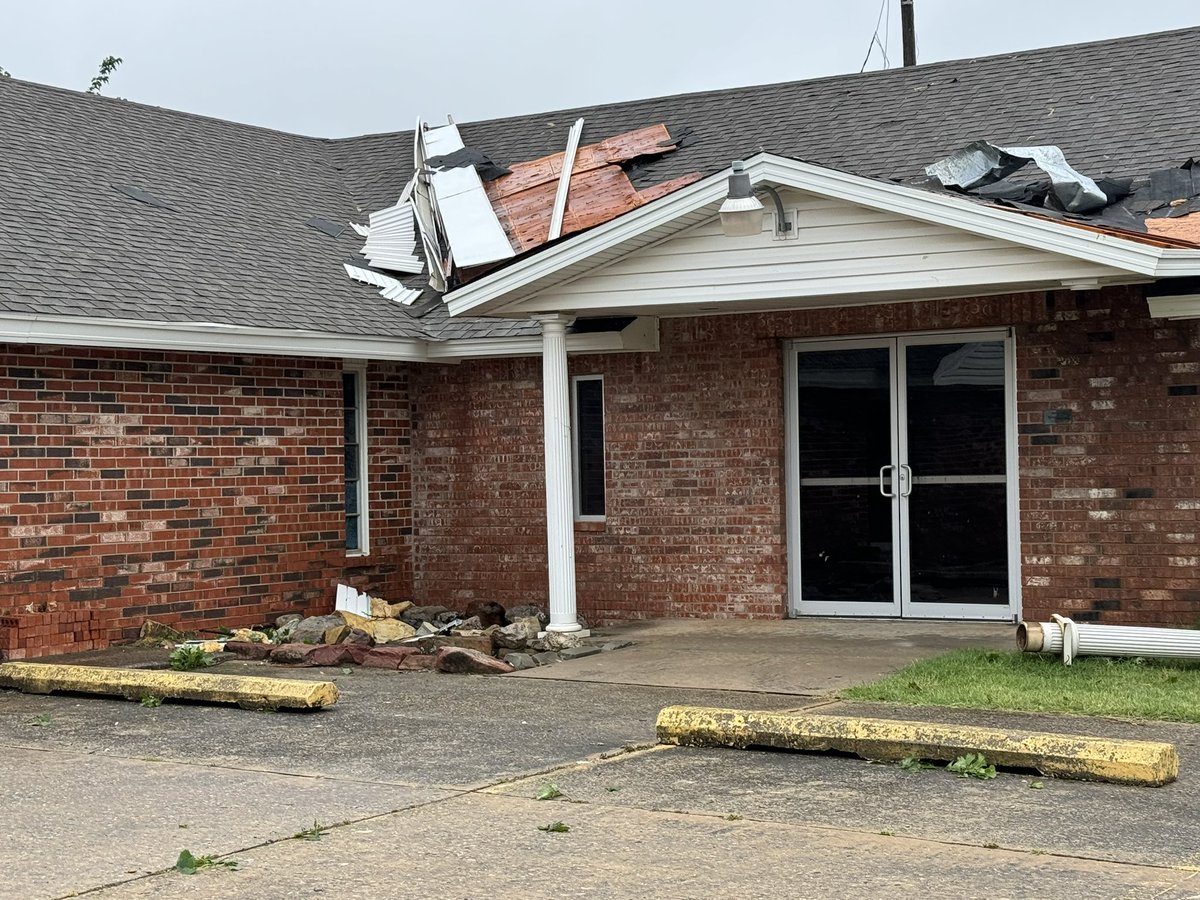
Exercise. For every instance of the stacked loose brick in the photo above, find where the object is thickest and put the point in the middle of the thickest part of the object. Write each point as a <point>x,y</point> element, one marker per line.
<point>197,490</point>
<point>1107,412</point>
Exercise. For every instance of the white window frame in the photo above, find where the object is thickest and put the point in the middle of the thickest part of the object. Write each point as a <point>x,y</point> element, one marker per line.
<point>575,489</point>
<point>358,368</point>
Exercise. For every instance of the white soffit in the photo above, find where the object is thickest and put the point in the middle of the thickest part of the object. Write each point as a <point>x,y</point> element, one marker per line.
<point>1181,306</point>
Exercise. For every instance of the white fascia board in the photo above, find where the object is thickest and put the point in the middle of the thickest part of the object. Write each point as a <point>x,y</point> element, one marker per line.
<point>942,209</point>
<point>203,337</point>
<point>1178,263</point>
<point>639,336</point>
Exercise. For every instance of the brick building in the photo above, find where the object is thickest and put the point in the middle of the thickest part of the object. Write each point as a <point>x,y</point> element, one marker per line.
<point>915,402</point>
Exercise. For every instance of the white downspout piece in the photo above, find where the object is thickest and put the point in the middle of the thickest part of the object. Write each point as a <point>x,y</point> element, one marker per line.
<point>1073,639</point>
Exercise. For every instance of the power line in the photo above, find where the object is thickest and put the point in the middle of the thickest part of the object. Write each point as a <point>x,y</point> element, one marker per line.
<point>875,38</point>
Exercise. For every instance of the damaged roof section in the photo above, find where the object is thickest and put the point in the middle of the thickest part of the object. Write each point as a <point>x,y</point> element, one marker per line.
<point>1164,204</point>
<point>461,213</point>
<point>599,188</point>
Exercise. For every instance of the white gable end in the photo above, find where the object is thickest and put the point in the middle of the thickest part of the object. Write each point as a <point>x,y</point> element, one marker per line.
<point>842,254</point>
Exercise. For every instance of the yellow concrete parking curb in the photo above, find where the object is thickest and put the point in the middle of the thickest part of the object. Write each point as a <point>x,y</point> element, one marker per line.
<point>248,692</point>
<point>1060,755</point>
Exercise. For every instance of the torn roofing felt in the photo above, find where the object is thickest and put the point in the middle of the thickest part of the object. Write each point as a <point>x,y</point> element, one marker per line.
<point>1161,203</point>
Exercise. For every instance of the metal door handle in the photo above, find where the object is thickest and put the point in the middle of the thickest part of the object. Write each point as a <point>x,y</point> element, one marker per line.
<point>906,480</point>
<point>883,469</point>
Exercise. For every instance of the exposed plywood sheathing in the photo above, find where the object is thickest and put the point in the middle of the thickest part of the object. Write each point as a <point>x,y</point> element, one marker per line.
<point>599,189</point>
<point>1186,228</point>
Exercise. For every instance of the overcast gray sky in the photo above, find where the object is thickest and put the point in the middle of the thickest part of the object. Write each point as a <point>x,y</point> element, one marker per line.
<point>341,67</point>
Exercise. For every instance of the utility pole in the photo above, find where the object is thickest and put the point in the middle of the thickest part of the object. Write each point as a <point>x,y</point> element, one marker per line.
<point>909,29</point>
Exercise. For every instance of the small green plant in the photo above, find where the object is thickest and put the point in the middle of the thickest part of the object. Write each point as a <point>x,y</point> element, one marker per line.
<point>39,720</point>
<point>972,765</point>
<point>548,791</point>
<point>555,828</point>
<point>311,834</point>
<point>612,788</point>
<point>1035,785</point>
<point>151,702</point>
<point>733,817</point>
<point>185,659</point>
<point>190,865</point>
<point>915,764</point>
<point>108,65</point>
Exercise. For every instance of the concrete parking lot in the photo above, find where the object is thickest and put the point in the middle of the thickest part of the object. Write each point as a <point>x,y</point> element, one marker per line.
<point>425,786</point>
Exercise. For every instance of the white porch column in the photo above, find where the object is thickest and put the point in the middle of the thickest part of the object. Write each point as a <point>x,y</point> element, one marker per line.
<point>560,507</point>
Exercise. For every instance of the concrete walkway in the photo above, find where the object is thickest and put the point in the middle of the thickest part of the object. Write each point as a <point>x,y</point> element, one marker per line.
<point>807,657</point>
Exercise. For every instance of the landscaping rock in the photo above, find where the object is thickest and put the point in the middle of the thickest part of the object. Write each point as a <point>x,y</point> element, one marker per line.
<point>479,642</point>
<point>331,655</point>
<point>510,637</point>
<point>312,630</point>
<point>447,618</point>
<point>291,654</point>
<point>474,623</point>
<point>578,652</point>
<point>418,662</point>
<point>616,645</point>
<point>249,649</point>
<point>336,634</point>
<point>461,661</point>
<point>248,634</point>
<point>545,658</point>
<point>520,661</point>
<point>556,640</point>
<point>529,610</point>
<point>358,638</point>
<point>287,618</point>
<point>380,609</point>
<point>156,634</point>
<point>415,615</point>
<point>387,657</point>
<point>389,631</point>
<point>354,620</point>
<point>489,612</point>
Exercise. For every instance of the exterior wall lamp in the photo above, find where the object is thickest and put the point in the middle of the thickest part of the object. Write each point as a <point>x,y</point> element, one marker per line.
<point>742,212</point>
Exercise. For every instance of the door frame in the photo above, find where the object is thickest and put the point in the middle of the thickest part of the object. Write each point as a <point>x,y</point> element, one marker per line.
<point>900,563</point>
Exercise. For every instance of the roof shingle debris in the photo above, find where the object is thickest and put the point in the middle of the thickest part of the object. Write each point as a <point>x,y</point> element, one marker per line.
<point>1162,203</point>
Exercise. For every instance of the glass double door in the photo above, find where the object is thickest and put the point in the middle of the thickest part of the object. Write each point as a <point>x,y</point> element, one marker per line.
<point>900,477</point>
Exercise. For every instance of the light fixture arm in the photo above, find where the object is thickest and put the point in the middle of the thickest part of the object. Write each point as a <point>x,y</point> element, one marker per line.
<point>782,225</point>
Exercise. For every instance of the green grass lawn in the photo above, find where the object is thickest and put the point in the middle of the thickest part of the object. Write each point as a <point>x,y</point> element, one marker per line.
<point>1092,685</point>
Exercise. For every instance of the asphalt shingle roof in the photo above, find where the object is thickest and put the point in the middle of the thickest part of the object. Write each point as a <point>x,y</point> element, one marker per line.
<point>234,246</point>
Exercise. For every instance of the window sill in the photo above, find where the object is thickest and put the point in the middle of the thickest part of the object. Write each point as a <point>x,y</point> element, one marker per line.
<point>357,554</point>
<point>591,524</point>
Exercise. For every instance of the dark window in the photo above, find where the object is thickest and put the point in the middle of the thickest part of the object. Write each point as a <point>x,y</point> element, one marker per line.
<point>352,445</point>
<point>589,446</point>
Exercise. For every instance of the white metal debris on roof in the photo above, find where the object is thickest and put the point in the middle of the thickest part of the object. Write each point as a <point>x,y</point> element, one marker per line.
<point>474,233</point>
<point>391,288</point>
<point>392,239</point>
<point>564,180</point>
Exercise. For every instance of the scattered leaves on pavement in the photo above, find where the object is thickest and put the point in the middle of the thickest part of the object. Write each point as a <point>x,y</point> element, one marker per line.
<point>548,791</point>
<point>915,764</point>
<point>555,828</point>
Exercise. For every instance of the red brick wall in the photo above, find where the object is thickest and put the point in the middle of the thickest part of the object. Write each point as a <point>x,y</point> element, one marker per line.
<point>695,527</point>
<point>198,490</point>
<point>1109,415</point>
